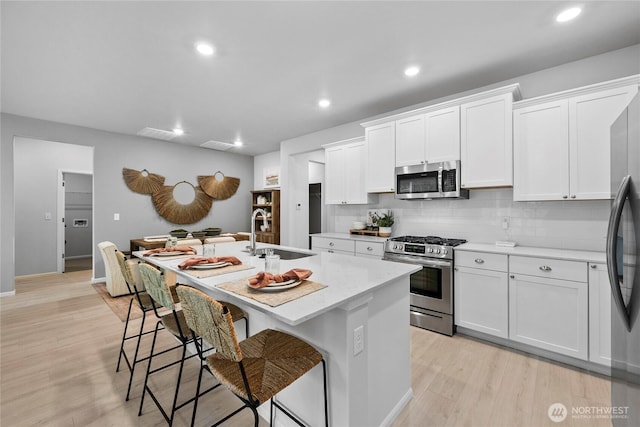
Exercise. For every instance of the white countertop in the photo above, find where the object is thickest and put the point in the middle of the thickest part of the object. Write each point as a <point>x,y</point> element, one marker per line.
<point>349,236</point>
<point>565,254</point>
<point>347,278</point>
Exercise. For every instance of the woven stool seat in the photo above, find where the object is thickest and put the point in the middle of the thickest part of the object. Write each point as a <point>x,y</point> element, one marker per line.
<point>255,369</point>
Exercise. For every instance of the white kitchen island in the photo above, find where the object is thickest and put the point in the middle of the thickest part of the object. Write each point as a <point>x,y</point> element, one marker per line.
<point>366,388</point>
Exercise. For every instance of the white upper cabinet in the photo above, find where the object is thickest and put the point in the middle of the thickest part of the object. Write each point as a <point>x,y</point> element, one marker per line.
<point>443,135</point>
<point>381,158</point>
<point>486,142</point>
<point>410,141</point>
<point>541,152</point>
<point>428,138</point>
<point>345,173</point>
<point>562,142</point>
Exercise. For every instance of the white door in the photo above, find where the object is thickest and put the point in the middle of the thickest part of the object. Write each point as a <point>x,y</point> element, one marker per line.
<point>541,152</point>
<point>410,141</point>
<point>590,117</point>
<point>443,135</point>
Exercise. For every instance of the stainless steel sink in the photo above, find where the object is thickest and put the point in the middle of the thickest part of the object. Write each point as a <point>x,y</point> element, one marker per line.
<point>284,254</point>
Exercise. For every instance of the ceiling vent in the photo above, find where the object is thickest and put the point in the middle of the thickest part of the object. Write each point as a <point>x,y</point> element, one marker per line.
<point>217,145</point>
<point>164,135</point>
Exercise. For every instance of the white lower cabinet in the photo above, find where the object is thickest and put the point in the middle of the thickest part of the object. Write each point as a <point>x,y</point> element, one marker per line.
<point>481,293</point>
<point>546,308</point>
<point>347,246</point>
<point>599,314</point>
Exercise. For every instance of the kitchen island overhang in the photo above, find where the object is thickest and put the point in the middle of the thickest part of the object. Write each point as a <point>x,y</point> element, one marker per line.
<point>363,298</point>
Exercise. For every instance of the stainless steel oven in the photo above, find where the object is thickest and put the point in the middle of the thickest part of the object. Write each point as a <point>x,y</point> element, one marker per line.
<point>431,288</point>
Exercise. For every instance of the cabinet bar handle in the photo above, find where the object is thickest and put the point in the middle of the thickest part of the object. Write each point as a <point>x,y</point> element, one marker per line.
<point>564,197</point>
<point>594,266</point>
<point>369,248</point>
<point>545,268</point>
<point>330,243</point>
<point>573,196</point>
<point>479,261</point>
<point>512,276</point>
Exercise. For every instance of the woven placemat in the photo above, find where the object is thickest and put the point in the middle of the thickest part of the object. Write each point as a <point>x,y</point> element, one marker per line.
<point>201,274</point>
<point>273,299</point>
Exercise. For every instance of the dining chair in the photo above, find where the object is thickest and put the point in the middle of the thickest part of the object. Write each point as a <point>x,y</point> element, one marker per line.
<point>116,285</point>
<point>255,369</point>
<point>172,318</point>
<point>142,300</point>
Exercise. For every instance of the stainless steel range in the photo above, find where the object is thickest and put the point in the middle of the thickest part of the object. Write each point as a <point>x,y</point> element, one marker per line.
<point>431,289</point>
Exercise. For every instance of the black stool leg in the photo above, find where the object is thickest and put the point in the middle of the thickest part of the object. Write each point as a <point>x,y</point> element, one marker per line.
<point>124,335</point>
<point>146,377</point>
<point>135,355</point>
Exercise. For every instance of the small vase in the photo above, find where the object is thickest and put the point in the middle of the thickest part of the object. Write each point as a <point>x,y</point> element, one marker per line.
<point>384,231</point>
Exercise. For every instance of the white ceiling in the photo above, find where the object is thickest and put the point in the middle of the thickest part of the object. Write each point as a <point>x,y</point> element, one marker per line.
<point>124,66</point>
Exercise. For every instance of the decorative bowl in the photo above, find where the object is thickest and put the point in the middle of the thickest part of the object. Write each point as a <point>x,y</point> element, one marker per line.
<point>180,234</point>
<point>212,231</point>
<point>358,225</point>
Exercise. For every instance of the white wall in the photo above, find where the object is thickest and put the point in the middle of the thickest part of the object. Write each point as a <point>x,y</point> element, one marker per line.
<point>36,183</point>
<point>576,225</point>
<point>261,164</point>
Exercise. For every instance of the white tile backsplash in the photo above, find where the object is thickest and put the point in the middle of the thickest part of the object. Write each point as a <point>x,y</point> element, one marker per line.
<point>563,224</point>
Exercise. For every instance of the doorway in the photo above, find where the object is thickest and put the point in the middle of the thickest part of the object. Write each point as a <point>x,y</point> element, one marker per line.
<point>76,225</point>
<point>315,209</point>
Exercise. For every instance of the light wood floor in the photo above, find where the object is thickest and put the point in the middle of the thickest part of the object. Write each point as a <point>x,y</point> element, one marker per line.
<point>59,344</point>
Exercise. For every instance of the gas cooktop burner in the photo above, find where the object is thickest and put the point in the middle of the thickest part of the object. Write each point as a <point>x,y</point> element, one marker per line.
<point>428,240</point>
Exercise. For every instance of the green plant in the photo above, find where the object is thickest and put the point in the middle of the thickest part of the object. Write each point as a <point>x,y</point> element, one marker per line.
<point>386,220</point>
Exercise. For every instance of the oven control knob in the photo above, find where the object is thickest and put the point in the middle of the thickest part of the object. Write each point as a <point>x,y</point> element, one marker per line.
<point>430,250</point>
<point>437,250</point>
<point>444,252</point>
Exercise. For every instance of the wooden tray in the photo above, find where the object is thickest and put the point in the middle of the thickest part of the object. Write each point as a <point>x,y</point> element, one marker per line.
<point>364,232</point>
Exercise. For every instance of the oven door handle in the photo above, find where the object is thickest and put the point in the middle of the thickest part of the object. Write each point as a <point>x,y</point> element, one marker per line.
<point>433,263</point>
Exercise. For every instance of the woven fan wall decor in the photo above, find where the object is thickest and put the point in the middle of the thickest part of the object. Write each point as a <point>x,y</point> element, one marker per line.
<point>172,210</point>
<point>219,189</point>
<point>143,182</point>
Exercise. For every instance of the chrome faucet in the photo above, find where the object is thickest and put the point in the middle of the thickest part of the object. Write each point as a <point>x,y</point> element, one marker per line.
<point>252,248</point>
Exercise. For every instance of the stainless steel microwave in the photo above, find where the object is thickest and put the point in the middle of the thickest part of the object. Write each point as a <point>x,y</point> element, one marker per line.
<point>430,181</point>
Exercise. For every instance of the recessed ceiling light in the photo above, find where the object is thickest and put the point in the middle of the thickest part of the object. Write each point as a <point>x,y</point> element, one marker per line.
<point>411,71</point>
<point>238,143</point>
<point>324,103</point>
<point>178,131</point>
<point>568,14</point>
<point>204,49</point>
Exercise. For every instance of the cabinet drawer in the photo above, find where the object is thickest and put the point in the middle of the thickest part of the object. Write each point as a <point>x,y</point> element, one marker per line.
<point>335,244</point>
<point>370,248</point>
<point>551,268</point>
<point>485,261</point>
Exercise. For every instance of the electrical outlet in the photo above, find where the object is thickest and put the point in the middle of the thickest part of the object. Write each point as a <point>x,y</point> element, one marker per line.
<point>47,216</point>
<point>116,217</point>
<point>505,223</point>
<point>358,340</point>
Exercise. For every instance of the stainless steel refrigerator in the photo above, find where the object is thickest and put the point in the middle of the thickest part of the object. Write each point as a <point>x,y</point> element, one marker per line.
<point>623,264</point>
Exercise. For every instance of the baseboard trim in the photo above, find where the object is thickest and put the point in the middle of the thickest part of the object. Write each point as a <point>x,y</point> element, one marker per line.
<point>395,412</point>
<point>8,294</point>
<point>78,256</point>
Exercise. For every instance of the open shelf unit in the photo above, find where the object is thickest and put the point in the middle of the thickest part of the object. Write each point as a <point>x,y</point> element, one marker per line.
<point>271,205</point>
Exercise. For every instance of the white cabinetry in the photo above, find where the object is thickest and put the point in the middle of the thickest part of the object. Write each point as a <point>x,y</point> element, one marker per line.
<point>430,137</point>
<point>599,314</point>
<point>410,141</point>
<point>481,292</point>
<point>548,304</point>
<point>346,173</point>
<point>562,142</point>
<point>348,246</point>
<point>381,158</point>
<point>486,142</point>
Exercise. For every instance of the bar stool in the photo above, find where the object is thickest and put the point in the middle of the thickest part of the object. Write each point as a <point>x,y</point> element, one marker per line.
<point>257,368</point>
<point>173,320</point>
